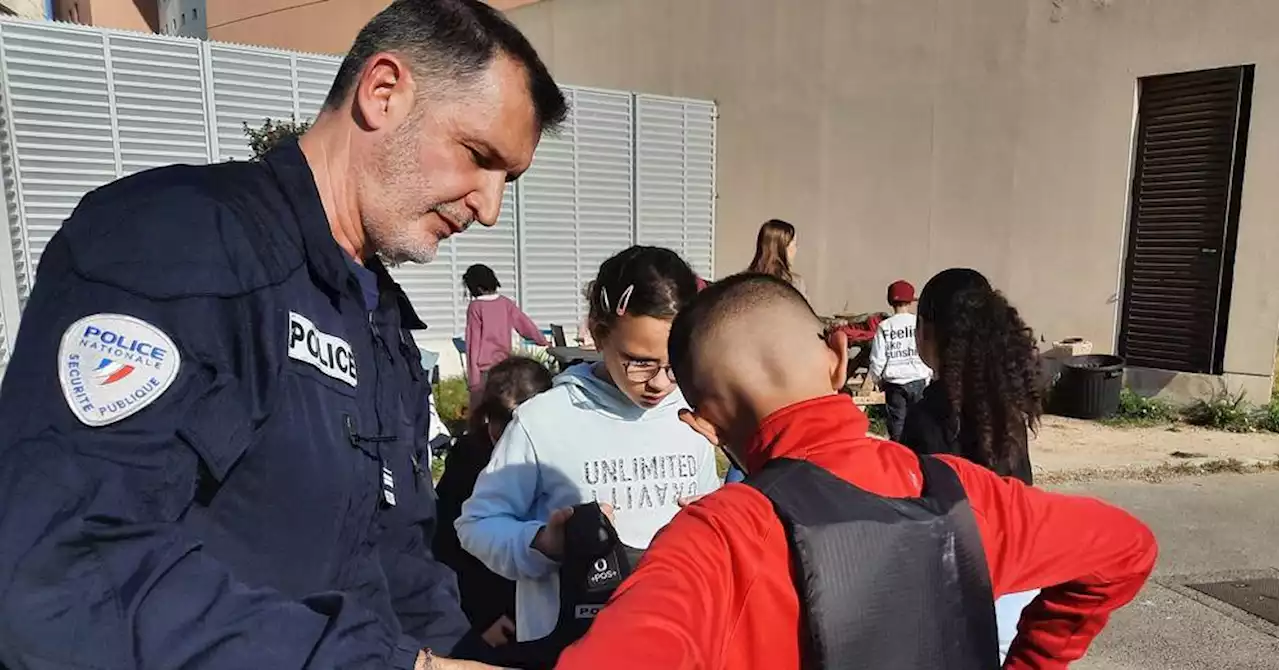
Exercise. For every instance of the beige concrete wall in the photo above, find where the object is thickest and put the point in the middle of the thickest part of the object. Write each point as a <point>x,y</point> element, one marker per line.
<point>137,15</point>
<point>30,9</point>
<point>905,137</point>
<point>319,27</point>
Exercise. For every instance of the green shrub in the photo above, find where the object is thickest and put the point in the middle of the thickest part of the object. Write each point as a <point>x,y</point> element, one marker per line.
<point>1266,418</point>
<point>1136,410</point>
<point>1223,412</point>
<point>452,397</point>
<point>264,139</point>
<point>878,419</point>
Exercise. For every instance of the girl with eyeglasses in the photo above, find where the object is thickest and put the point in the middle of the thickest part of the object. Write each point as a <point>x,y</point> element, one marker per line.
<point>607,432</point>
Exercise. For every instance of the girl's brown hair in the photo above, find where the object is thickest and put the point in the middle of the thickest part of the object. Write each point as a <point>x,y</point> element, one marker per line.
<point>771,250</point>
<point>508,384</point>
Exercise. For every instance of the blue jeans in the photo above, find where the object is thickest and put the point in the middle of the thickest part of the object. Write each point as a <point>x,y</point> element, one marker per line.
<point>734,475</point>
<point>1008,613</point>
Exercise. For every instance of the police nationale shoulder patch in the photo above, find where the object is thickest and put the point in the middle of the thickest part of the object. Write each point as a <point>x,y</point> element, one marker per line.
<point>329,354</point>
<point>111,366</point>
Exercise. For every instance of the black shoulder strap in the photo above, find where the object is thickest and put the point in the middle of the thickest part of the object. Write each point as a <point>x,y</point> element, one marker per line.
<point>941,483</point>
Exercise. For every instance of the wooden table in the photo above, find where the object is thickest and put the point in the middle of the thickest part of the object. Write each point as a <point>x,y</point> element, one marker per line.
<point>569,356</point>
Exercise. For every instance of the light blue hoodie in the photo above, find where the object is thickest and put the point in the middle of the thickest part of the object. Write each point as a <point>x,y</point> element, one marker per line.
<point>583,440</point>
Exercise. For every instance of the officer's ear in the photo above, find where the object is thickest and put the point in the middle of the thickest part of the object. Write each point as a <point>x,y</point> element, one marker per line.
<point>384,94</point>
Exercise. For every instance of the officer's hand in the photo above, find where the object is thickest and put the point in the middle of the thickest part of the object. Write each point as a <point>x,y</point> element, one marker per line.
<point>550,538</point>
<point>426,662</point>
<point>501,632</point>
<point>608,512</point>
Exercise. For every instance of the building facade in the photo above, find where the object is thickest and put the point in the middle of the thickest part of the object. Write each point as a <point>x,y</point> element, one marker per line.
<point>186,18</point>
<point>137,15</point>
<point>903,138</point>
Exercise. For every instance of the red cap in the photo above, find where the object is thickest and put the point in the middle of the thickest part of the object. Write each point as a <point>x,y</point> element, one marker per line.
<point>901,291</point>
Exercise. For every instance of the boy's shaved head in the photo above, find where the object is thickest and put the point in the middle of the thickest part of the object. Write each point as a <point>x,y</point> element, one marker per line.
<point>746,346</point>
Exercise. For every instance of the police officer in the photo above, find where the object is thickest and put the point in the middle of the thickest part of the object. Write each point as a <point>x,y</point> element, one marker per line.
<point>214,446</point>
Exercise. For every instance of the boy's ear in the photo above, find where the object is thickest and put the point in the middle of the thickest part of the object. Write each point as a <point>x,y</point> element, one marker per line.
<point>702,427</point>
<point>838,342</point>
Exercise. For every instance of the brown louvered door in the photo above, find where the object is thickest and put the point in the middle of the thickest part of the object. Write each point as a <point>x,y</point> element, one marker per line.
<point>1185,198</point>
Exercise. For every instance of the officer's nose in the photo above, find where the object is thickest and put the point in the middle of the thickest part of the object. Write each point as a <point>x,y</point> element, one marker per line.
<point>486,201</point>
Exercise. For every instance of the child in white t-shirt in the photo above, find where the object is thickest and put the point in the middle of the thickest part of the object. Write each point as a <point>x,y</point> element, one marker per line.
<point>895,365</point>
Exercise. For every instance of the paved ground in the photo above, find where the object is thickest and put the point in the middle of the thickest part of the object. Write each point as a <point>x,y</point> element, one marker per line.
<point>1210,528</point>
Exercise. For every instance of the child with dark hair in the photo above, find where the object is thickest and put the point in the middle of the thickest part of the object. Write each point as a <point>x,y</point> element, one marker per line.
<point>607,432</point>
<point>488,600</point>
<point>491,317</point>
<point>986,396</point>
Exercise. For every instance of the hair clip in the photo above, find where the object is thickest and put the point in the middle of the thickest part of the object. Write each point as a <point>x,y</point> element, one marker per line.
<point>625,300</point>
<point>604,298</point>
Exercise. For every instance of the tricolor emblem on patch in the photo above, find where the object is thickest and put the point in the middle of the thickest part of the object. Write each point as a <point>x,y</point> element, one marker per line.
<point>110,372</point>
<point>111,366</point>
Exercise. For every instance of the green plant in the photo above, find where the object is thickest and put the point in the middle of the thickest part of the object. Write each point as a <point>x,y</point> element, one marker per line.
<point>1267,416</point>
<point>452,397</point>
<point>877,418</point>
<point>272,132</point>
<point>1136,410</point>
<point>1223,412</point>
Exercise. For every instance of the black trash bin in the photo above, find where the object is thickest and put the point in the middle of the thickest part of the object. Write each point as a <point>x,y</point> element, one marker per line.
<point>1089,386</point>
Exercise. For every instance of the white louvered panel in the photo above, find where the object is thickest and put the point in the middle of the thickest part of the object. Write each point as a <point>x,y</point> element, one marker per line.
<point>675,179</point>
<point>56,95</point>
<point>700,186</point>
<point>159,102</point>
<point>4,345</point>
<point>495,247</point>
<point>548,230</point>
<point>315,76</point>
<point>602,126</point>
<point>249,86</point>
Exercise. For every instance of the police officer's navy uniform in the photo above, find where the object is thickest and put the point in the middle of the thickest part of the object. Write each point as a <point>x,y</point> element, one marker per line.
<point>213,446</point>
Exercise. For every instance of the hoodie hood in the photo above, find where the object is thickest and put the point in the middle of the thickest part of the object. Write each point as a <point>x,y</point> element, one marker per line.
<point>587,391</point>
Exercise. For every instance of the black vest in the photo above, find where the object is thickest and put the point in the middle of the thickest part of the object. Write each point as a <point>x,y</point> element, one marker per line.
<point>894,583</point>
<point>594,565</point>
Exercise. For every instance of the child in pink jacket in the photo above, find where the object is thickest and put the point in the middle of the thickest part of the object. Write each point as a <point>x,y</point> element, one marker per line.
<point>490,319</point>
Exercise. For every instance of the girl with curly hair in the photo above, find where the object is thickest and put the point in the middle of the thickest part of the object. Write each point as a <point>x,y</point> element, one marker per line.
<point>986,397</point>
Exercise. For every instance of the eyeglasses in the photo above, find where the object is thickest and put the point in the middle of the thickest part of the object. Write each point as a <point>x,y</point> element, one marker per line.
<point>643,372</point>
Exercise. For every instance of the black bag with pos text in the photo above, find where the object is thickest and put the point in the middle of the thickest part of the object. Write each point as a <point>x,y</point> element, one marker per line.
<point>594,565</point>
<point>897,583</point>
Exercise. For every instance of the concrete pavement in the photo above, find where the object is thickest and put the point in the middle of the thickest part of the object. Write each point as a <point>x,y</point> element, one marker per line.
<point>1210,528</point>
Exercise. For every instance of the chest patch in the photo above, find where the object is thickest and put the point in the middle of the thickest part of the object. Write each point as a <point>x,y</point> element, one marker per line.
<point>327,353</point>
<point>110,366</point>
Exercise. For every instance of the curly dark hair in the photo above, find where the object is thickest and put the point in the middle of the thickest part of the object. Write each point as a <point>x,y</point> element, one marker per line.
<point>989,364</point>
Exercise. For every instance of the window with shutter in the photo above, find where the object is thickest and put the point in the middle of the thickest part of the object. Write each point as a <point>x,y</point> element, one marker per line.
<point>159,102</point>
<point>313,76</point>
<point>1191,136</point>
<point>59,131</point>
<point>675,183</point>
<point>575,205</point>
<point>249,86</point>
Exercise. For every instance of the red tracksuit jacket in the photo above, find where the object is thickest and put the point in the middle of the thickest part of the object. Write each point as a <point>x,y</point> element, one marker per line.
<point>714,589</point>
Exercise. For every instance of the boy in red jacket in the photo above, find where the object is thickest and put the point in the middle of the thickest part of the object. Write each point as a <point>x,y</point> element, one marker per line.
<point>716,589</point>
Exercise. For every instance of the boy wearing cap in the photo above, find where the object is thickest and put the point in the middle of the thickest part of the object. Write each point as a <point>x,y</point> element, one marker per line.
<point>895,365</point>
